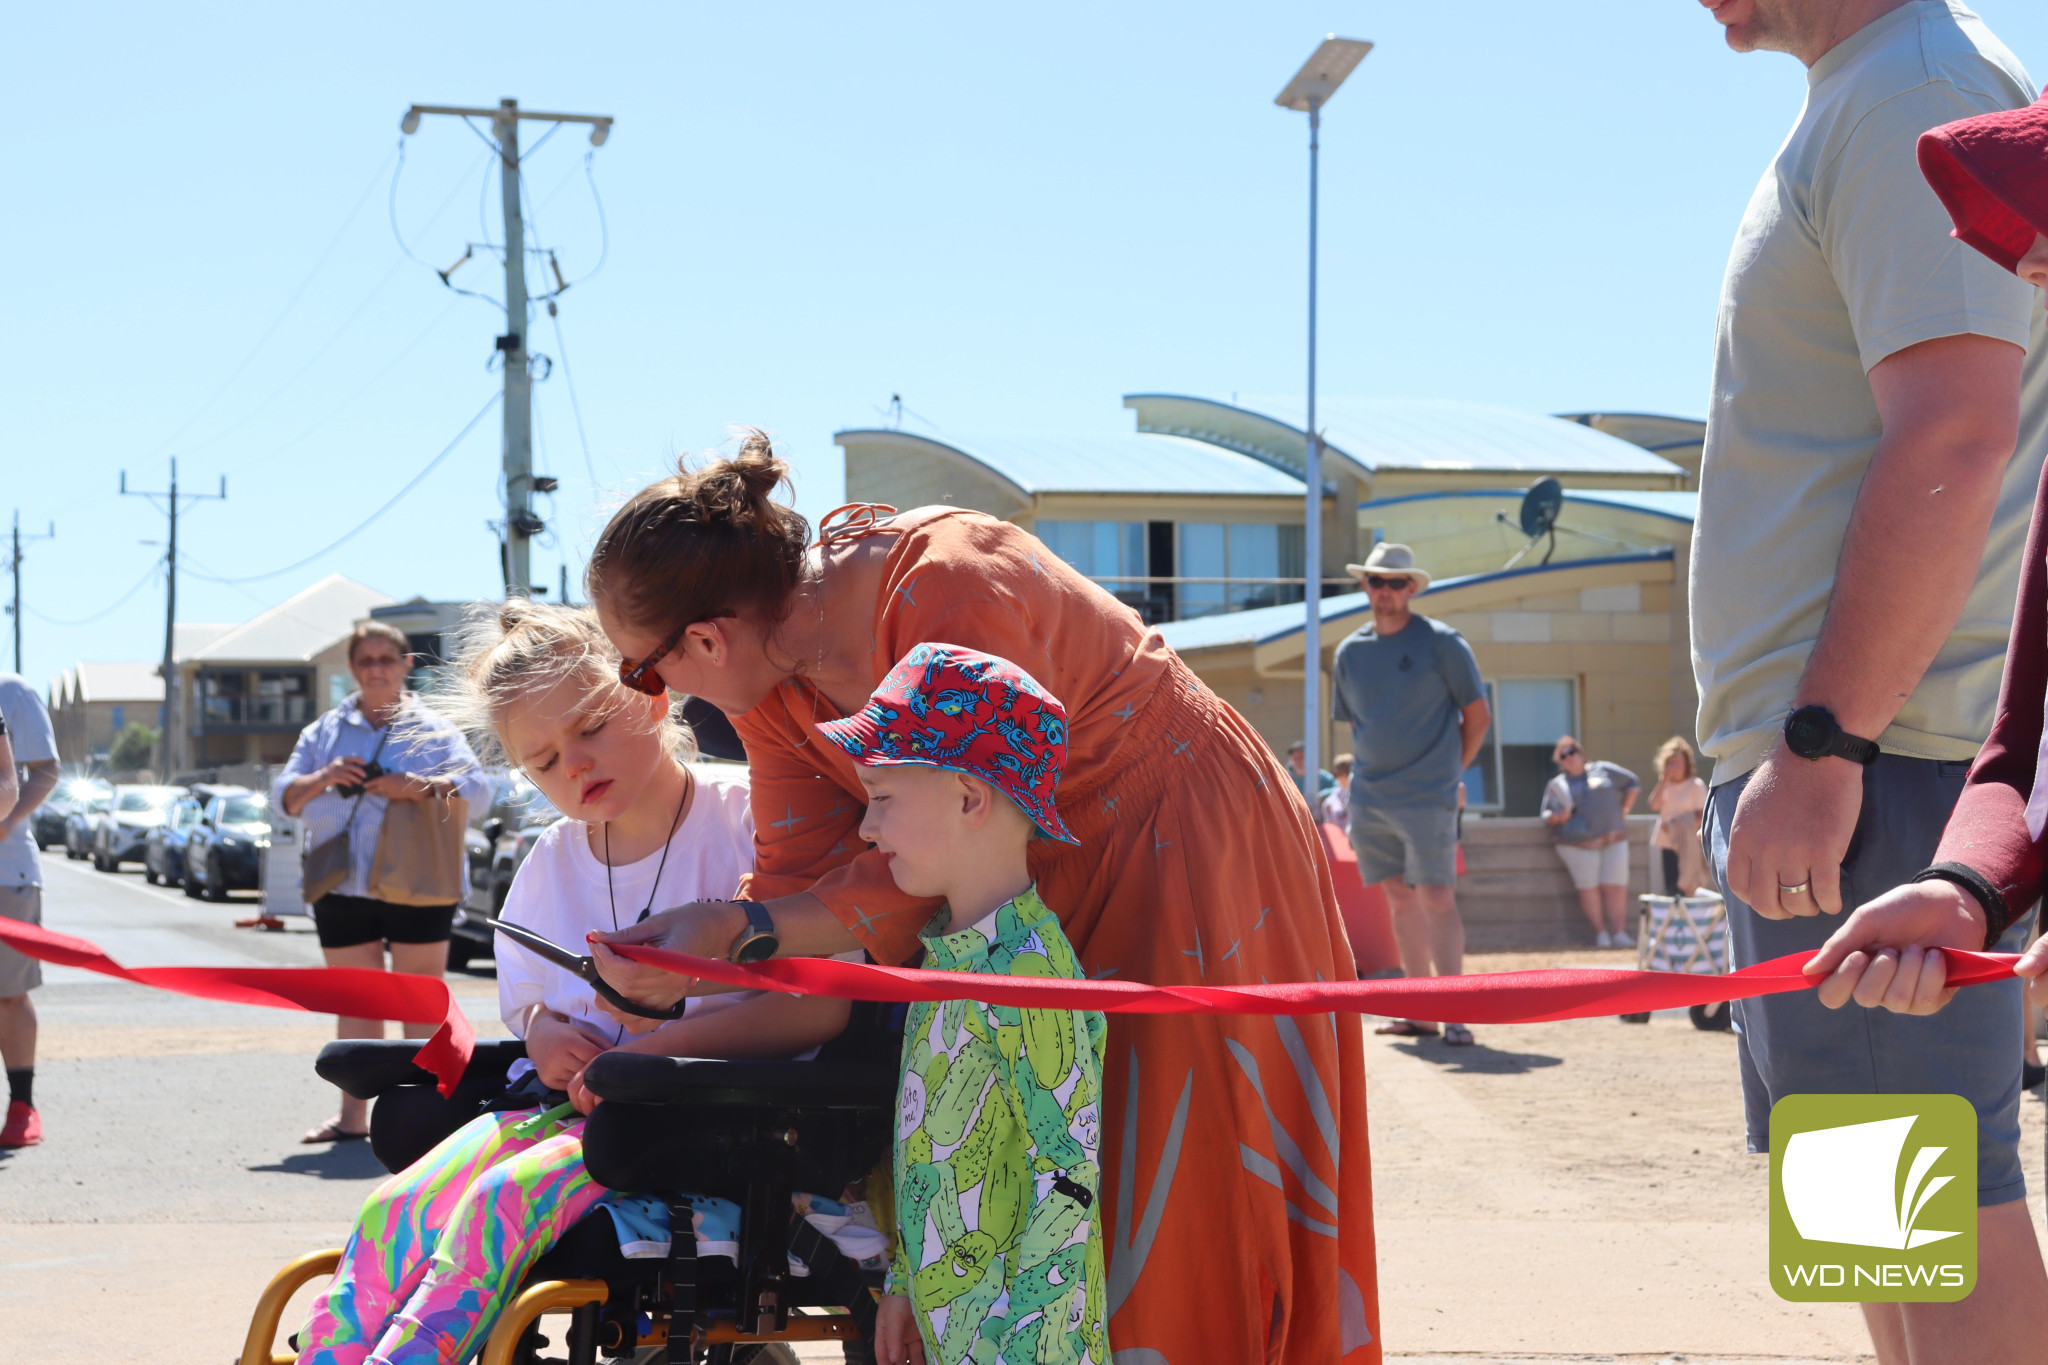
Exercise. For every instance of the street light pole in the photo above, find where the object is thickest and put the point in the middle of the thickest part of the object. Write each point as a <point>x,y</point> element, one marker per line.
<point>521,525</point>
<point>1311,88</point>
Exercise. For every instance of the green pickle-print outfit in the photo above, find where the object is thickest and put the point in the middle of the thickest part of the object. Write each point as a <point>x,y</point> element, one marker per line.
<point>998,1134</point>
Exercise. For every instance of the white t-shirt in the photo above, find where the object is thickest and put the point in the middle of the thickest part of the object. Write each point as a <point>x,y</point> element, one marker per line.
<point>560,894</point>
<point>1843,259</point>
<point>33,741</point>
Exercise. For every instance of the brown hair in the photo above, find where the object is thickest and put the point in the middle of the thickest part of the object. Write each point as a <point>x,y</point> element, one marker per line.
<point>377,630</point>
<point>703,543</point>
<point>508,650</point>
<point>1676,745</point>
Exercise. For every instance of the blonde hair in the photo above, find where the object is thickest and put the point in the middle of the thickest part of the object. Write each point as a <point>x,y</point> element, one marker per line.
<point>506,651</point>
<point>1676,745</point>
<point>1341,764</point>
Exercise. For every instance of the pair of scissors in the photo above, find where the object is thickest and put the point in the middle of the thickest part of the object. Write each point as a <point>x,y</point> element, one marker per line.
<point>584,967</point>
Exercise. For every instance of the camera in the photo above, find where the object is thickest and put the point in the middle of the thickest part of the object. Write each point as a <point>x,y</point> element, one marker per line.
<point>371,772</point>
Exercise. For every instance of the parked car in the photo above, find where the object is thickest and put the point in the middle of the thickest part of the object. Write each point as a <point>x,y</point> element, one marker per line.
<point>122,830</point>
<point>497,846</point>
<point>163,853</point>
<point>83,821</point>
<point>224,851</point>
<point>71,794</point>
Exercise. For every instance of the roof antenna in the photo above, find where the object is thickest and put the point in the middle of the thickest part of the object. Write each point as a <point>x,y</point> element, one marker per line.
<point>896,411</point>
<point>1540,506</point>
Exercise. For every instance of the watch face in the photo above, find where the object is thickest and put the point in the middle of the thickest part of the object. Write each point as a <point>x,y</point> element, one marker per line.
<point>1806,734</point>
<point>756,948</point>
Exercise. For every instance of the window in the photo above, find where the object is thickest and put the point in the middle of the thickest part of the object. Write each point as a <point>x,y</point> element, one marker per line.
<point>1101,550</point>
<point>1514,761</point>
<point>1238,550</point>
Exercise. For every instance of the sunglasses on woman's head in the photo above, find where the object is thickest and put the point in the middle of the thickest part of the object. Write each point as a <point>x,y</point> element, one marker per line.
<point>641,677</point>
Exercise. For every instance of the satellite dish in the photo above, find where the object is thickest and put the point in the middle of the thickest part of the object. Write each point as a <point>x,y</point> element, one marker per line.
<point>1540,506</point>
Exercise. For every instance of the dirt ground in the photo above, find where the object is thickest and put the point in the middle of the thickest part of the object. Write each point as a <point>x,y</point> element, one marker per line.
<point>1581,1191</point>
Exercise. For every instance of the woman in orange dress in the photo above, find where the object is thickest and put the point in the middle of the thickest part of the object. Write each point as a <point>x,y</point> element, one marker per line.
<point>1236,1176</point>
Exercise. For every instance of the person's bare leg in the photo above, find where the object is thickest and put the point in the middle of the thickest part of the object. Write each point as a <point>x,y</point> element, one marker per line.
<point>2030,1034</point>
<point>1446,930</point>
<point>2005,1319</point>
<point>1589,906</point>
<point>1614,900</point>
<point>18,1032</point>
<point>354,1116</point>
<point>1411,926</point>
<point>1887,1329</point>
<point>420,959</point>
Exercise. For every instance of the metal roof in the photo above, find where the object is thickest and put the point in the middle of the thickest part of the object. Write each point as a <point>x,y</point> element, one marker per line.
<point>1439,435</point>
<point>298,628</point>
<point>1116,462</point>
<point>112,681</point>
<point>1263,625</point>
<point>1677,506</point>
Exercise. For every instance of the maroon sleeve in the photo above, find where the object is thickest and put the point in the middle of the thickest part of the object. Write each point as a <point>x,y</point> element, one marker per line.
<point>1988,831</point>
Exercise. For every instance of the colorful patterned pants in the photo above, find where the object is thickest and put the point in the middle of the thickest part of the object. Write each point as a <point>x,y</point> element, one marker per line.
<point>442,1245</point>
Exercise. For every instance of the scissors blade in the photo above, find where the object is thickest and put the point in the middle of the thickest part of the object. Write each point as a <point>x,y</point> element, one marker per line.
<point>544,948</point>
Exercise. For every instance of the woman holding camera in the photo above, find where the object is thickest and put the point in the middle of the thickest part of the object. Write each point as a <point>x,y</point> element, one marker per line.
<point>379,747</point>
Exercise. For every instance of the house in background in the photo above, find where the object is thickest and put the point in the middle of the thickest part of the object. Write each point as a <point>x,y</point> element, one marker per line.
<point>92,702</point>
<point>248,693</point>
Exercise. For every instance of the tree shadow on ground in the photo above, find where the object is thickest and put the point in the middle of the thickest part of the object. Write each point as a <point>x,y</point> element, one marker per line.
<point>1477,1060</point>
<point>342,1161</point>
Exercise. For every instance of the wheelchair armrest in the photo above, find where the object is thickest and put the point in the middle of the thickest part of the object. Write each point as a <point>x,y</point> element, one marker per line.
<point>637,1078</point>
<point>367,1067</point>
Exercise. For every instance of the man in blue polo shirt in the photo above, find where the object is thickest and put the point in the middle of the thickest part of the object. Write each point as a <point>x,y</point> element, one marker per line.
<point>1410,689</point>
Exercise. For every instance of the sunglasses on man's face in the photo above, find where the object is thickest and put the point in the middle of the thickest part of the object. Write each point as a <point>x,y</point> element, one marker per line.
<point>1373,580</point>
<point>641,677</point>
<point>1563,754</point>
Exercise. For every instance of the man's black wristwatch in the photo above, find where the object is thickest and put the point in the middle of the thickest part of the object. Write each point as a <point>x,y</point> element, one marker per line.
<point>758,941</point>
<point>1812,733</point>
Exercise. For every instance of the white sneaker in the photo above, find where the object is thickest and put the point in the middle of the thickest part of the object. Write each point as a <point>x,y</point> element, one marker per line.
<point>1622,940</point>
<point>1606,940</point>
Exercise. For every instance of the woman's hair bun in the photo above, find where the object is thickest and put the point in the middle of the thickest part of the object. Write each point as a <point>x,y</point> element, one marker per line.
<point>739,489</point>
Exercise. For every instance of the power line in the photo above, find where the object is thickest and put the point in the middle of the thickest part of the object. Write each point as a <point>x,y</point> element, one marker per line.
<point>290,303</point>
<point>562,347</point>
<point>365,523</point>
<point>119,602</point>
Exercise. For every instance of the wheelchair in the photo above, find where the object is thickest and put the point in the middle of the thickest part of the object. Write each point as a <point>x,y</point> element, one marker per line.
<point>754,1132</point>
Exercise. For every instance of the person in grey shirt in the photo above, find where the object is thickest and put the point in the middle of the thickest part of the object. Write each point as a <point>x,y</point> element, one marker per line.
<point>31,744</point>
<point>1410,690</point>
<point>1875,432</point>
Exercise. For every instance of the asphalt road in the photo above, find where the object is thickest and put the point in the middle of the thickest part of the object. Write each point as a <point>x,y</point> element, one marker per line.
<point>171,1183</point>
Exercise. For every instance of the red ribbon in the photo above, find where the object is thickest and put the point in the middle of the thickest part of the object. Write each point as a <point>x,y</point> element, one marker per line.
<point>357,991</point>
<point>1488,998</point>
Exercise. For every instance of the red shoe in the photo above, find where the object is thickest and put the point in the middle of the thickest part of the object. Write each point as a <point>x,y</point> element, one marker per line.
<point>24,1126</point>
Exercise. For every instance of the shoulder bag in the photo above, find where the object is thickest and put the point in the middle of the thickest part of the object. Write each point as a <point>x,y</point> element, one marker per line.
<point>326,864</point>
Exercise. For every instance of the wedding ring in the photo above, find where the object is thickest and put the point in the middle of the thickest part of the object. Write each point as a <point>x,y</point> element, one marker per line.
<point>1798,890</point>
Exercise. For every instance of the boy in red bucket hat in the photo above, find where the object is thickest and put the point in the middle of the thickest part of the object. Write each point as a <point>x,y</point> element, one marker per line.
<point>998,1130</point>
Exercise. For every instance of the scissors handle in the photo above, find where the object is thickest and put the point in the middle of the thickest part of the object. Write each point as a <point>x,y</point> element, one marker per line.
<point>584,967</point>
<point>611,993</point>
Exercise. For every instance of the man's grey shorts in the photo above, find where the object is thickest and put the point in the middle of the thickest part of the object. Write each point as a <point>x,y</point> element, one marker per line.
<point>1417,844</point>
<point>1791,1044</point>
<point>20,974</point>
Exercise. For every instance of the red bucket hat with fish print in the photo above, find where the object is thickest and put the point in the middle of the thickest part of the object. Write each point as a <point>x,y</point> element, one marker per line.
<point>947,706</point>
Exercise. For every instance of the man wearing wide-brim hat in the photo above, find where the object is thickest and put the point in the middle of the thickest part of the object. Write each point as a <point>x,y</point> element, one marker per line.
<point>1410,690</point>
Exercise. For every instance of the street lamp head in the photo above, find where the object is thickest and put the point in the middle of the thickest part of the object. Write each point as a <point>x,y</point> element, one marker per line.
<point>1325,70</point>
<point>410,124</point>
<point>599,131</point>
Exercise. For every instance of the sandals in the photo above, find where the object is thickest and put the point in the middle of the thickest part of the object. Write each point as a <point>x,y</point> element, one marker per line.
<point>1457,1035</point>
<point>1408,1028</point>
<point>332,1131</point>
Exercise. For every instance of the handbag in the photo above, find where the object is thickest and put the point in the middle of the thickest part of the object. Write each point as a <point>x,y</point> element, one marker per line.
<point>420,859</point>
<point>326,864</point>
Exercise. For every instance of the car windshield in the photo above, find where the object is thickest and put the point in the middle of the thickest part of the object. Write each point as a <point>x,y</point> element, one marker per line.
<point>183,814</point>
<point>143,798</point>
<point>245,810</point>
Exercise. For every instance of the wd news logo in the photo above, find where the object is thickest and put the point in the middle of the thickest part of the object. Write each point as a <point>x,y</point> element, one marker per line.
<point>1873,1198</point>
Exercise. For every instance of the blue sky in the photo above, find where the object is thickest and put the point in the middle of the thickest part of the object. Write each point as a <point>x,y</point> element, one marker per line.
<point>1009,220</point>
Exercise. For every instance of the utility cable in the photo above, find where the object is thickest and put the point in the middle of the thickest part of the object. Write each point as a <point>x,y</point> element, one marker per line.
<point>365,523</point>
<point>284,312</point>
<point>119,602</point>
<point>575,406</point>
<point>391,206</point>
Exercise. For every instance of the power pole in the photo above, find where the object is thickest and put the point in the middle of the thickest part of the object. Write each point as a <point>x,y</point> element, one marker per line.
<point>521,524</point>
<point>14,567</point>
<point>167,755</point>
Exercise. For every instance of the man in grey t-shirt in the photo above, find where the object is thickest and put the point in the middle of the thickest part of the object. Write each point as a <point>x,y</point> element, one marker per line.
<point>34,746</point>
<point>1410,689</point>
<point>1874,437</point>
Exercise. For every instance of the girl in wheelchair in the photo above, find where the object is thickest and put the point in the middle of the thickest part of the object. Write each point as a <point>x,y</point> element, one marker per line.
<point>440,1247</point>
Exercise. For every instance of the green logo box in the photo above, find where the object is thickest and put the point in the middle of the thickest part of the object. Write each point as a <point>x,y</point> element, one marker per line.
<point>1873,1198</point>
